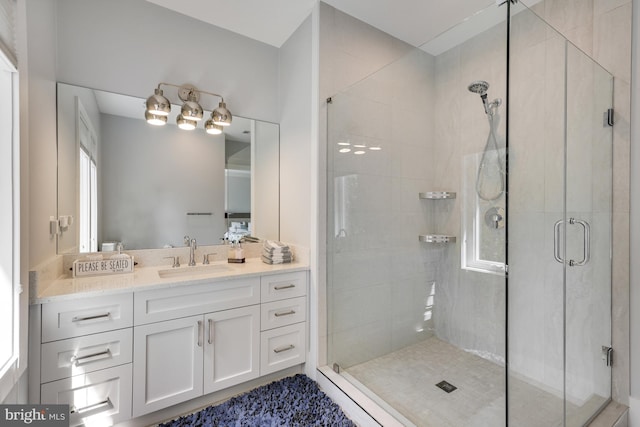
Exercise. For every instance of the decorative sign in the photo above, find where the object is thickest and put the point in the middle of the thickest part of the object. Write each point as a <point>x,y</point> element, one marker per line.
<point>102,266</point>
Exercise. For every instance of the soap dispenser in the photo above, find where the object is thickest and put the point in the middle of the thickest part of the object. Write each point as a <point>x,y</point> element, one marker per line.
<point>235,253</point>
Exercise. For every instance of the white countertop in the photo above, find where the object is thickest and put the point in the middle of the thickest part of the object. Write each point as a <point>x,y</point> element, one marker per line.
<point>145,278</point>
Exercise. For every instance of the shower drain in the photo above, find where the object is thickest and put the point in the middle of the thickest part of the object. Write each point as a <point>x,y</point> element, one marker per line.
<point>448,387</point>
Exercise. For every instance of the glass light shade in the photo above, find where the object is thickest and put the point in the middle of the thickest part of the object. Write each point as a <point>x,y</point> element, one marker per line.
<point>221,116</point>
<point>154,119</point>
<point>191,110</point>
<point>185,124</point>
<point>158,105</point>
<point>212,128</point>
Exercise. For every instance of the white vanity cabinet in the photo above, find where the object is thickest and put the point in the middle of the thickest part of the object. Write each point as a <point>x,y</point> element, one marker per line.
<point>124,355</point>
<point>182,358</point>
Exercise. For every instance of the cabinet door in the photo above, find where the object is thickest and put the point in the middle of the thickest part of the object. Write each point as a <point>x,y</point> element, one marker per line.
<point>167,363</point>
<point>232,347</point>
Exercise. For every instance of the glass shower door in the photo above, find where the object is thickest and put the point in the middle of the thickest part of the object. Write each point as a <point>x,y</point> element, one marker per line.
<point>559,236</point>
<point>586,232</point>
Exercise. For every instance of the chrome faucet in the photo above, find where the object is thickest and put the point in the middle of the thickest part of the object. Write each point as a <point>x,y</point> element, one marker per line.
<point>192,249</point>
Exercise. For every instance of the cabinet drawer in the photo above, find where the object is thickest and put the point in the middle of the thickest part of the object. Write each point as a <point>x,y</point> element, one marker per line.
<point>73,318</point>
<point>282,313</point>
<point>74,356</point>
<point>101,397</point>
<point>183,301</point>
<point>280,286</point>
<point>282,347</point>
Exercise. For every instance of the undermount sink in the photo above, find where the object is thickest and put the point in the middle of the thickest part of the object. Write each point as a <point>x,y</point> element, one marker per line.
<point>195,270</point>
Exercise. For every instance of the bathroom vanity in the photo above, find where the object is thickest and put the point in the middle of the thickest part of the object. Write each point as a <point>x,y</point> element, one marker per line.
<point>122,346</point>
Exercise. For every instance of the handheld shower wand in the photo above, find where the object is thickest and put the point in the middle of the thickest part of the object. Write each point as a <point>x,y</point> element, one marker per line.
<point>480,87</point>
<point>490,161</point>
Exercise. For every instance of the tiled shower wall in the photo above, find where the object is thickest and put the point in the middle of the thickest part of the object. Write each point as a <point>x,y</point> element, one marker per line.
<point>470,305</point>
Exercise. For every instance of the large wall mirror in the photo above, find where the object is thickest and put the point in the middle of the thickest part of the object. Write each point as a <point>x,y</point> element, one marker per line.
<point>123,180</point>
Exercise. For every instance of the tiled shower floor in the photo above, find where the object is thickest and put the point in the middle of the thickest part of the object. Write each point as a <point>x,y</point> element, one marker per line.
<point>406,380</point>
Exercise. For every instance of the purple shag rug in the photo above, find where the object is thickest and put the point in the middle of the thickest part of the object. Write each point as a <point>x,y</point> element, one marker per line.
<point>293,401</point>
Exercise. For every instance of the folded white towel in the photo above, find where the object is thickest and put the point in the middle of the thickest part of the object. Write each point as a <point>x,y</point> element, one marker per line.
<point>280,257</point>
<point>272,244</point>
<point>271,261</point>
<point>277,252</point>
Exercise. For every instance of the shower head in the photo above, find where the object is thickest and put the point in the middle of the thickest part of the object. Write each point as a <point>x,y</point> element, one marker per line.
<point>479,86</point>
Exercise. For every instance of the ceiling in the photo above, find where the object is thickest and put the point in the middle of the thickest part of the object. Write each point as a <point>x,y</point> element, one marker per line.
<point>273,21</point>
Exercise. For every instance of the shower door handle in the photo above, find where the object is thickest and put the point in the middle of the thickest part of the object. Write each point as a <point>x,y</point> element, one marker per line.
<point>586,233</point>
<point>586,253</point>
<point>556,241</point>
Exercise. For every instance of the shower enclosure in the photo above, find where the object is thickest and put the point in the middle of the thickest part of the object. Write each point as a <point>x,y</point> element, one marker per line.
<point>469,199</point>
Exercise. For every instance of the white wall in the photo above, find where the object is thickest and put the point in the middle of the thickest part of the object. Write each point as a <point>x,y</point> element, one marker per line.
<point>295,137</point>
<point>297,168</point>
<point>38,95</point>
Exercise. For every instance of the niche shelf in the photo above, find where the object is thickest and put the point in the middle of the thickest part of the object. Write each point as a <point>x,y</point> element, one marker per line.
<point>436,238</point>
<point>437,195</point>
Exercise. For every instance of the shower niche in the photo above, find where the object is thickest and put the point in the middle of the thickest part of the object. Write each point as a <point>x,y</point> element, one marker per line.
<point>433,237</point>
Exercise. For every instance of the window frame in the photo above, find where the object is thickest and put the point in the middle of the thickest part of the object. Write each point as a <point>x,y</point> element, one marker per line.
<point>11,369</point>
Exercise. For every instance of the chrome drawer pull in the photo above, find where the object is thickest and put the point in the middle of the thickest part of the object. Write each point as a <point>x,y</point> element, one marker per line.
<point>200,333</point>
<point>279,288</point>
<point>77,361</point>
<point>98,405</point>
<point>280,350</point>
<point>210,331</point>
<point>286,313</point>
<point>97,316</point>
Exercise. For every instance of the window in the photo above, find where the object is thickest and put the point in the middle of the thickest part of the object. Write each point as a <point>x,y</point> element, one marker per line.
<point>88,182</point>
<point>88,203</point>
<point>9,226</point>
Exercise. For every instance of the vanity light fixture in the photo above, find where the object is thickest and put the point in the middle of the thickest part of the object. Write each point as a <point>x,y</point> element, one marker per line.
<point>212,128</point>
<point>157,104</point>
<point>159,107</point>
<point>185,124</point>
<point>221,116</point>
<point>155,119</point>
